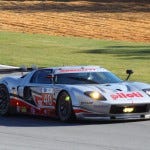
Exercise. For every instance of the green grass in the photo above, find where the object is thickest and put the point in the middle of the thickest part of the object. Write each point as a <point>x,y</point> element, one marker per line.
<point>26,49</point>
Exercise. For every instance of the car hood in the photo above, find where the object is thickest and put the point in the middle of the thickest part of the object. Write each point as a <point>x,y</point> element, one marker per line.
<point>123,92</point>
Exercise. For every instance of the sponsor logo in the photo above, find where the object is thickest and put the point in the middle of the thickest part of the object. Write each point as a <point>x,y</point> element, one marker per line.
<point>47,90</point>
<point>126,95</point>
<point>77,70</point>
<point>24,109</point>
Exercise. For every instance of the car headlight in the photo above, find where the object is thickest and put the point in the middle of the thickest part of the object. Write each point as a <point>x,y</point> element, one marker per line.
<point>95,95</point>
<point>147,91</point>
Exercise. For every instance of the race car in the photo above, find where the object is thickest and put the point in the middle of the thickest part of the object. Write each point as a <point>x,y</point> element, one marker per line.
<point>74,92</point>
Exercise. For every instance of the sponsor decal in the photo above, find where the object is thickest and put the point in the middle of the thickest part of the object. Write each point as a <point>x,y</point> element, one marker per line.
<point>77,70</point>
<point>23,109</point>
<point>47,99</point>
<point>126,95</point>
<point>47,90</point>
<point>44,100</point>
<point>86,103</point>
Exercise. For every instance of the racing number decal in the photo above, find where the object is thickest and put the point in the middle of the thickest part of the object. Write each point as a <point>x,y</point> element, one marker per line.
<point>47,99</point>
<point>43,97</point>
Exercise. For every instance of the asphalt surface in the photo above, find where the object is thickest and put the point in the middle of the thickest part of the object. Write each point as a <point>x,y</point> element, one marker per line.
<point>32,133</point>
<point>38,133</point>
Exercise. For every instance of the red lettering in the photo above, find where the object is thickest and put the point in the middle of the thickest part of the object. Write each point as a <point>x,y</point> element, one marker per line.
<point>123,95</point>
<point>77,70</point>
<point>126,95</point>
<point>114,97</point>
<point>130,95</point>
<point>137,94</point>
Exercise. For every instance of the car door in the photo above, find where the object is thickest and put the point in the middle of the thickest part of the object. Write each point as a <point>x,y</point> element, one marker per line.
<point>39,90</point>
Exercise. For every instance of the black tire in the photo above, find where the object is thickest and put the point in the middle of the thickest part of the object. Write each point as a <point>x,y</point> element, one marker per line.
<point>64,107</point>
<point>4,100</point>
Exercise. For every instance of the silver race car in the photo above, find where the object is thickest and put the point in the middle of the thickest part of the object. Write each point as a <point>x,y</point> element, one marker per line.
<point>82,92</point>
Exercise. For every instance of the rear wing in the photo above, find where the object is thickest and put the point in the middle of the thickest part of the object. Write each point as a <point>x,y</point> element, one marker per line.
<point>13,70</point>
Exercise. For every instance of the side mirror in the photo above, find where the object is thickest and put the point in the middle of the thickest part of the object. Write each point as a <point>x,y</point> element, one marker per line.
<point>129,72</point>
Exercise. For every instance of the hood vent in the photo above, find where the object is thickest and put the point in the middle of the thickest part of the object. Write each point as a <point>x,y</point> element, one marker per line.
<point>118,90</point>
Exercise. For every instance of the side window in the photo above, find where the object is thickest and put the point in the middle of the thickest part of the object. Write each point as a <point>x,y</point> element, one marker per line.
<point>41,77</point>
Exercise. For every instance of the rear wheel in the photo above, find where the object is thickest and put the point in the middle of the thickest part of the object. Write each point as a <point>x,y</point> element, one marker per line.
<point>64,107</point>
<point>4,100</point>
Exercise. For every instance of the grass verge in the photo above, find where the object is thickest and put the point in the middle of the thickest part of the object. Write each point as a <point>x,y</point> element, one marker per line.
<point>43,50</point>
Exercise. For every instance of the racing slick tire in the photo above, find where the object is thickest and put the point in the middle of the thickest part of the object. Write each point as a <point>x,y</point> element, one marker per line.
<point>64,107</point>
<point>4,100</point>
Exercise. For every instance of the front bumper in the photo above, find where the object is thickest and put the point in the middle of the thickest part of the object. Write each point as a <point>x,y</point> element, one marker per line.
<point>115,112</point>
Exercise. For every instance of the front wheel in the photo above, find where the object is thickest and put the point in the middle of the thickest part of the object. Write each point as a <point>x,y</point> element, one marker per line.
<point>4,100</point>
<point>64,107</point>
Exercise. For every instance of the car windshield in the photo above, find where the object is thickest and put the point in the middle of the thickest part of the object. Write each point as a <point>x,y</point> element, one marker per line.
<point>87,78</point>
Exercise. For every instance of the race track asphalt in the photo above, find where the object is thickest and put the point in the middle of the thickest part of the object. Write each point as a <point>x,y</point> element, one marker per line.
<point>32,133</point>
<point>38,133</point>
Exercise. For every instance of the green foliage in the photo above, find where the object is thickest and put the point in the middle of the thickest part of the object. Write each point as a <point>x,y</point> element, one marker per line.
<point>26,49</point>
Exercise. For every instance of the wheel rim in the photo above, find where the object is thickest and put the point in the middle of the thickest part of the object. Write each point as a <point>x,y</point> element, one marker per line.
<point>64,106</point>
<point>3,100</point>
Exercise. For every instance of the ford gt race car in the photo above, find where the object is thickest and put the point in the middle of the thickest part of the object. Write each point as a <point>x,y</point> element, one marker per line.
<point>82,92</point>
